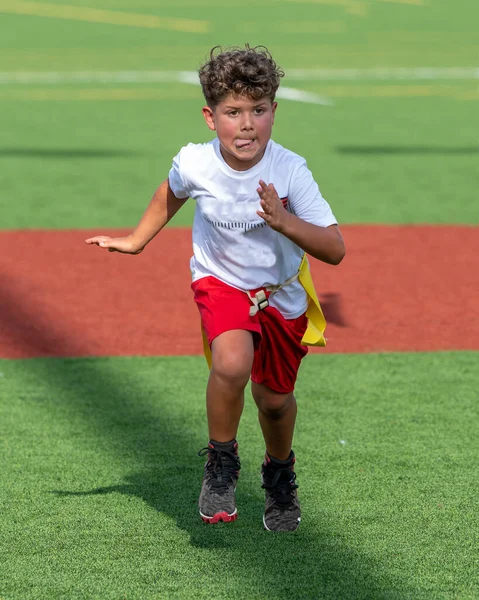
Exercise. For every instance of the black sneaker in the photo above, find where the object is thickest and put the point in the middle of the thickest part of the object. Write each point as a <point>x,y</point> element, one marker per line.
<point>217,497</point>
<point>282,510</point>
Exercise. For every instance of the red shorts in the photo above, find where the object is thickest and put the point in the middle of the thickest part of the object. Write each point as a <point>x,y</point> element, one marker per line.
<point>277,341</point>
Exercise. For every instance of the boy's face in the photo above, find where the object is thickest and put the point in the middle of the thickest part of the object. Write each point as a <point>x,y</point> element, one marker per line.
<point>243,127</point>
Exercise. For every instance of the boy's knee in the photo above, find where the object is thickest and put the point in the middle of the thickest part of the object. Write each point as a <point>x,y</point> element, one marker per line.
<point>233,358</point>
<point>231,368</point>
<point>270,403</point>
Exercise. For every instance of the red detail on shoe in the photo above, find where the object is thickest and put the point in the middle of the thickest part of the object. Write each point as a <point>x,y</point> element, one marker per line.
<point>221,516</point>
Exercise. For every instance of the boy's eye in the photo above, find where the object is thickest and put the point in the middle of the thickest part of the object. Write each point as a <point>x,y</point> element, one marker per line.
<point>233,113</point>
<point>259,111</point>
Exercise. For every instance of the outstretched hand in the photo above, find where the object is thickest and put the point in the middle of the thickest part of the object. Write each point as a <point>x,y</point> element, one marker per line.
<point>124,245</point>
<point>273,211</point>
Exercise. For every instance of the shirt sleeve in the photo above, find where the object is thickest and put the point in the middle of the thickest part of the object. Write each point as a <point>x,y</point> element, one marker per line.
<point>176,178</point>
<point>306,201</point>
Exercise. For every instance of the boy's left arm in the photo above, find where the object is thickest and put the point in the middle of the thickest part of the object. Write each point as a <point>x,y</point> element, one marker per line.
<point>324,243</point>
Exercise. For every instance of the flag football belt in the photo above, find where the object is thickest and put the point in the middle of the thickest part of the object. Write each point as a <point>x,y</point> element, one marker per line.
<point>314,334</point>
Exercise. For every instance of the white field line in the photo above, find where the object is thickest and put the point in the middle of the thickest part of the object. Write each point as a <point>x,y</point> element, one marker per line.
<point>190,77</point>
<point>287,93</point>
<point>55,77</point>
<point>380,74</point>
<point>384,74</point>
<point>284,92</point>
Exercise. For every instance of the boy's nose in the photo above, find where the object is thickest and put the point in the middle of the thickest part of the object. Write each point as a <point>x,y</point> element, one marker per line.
<point>246,123</point>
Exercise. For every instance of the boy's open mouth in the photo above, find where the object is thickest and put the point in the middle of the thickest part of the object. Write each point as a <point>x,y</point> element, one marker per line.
<point>244,144</point>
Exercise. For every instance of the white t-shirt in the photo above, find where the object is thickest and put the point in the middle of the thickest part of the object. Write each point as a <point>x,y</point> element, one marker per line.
<point>230,241</point>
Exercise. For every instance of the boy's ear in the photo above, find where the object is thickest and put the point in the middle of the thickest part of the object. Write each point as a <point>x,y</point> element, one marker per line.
<point>209,116</point>
<point>273,109</point>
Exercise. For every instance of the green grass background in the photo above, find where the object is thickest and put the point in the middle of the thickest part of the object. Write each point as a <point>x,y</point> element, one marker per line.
<point>101,480</point>
<point>100,476</point>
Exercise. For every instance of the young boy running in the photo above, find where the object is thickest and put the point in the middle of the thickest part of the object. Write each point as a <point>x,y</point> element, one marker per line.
<point>258,211</point>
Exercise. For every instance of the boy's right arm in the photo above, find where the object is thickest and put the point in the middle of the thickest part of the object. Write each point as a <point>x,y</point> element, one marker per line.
<point>162,208</point>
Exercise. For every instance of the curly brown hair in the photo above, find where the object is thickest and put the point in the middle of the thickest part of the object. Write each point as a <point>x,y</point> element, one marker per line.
<point>247,71</point>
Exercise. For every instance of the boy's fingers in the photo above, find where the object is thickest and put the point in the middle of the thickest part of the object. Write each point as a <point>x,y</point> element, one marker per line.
<point>265,188</point>
<point>97,239</point>
<point>113,244</point>
<point>266,206</point>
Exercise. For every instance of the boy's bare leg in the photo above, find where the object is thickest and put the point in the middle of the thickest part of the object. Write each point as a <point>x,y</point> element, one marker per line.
<point>277,417</point>
<point>232,354</point>
<point>232,359</point>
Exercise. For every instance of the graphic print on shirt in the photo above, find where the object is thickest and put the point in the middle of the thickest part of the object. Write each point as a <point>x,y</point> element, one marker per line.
<point>233,225</point>
<point>223,210</point>
<point>245,226</point>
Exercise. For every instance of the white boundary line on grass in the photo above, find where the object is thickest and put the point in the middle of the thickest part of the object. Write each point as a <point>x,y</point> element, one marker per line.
<point>189,77</point>
<point>284,92</point>
<point>385,74</point>
<point>287,93</point>
<point>380,73</point>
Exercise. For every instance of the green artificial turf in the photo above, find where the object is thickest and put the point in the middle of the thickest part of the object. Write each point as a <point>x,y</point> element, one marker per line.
<point>100,473</point>
<point>100,480</point>
<point>387,151</point>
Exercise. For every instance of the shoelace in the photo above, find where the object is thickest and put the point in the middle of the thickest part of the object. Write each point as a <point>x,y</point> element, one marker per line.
<point>282,486</point>
<point>222,467</point>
